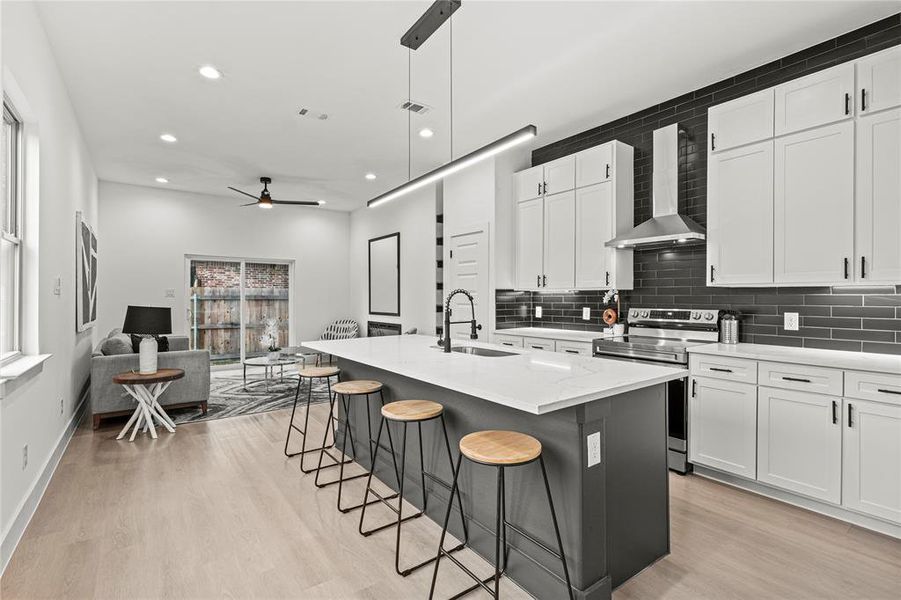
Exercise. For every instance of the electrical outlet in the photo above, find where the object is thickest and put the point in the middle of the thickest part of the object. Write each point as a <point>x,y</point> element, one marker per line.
<point>594,449</point>
<point>586,313</point>
<point>24,456</point>
<point>791,321</point>
<point>537,312</point>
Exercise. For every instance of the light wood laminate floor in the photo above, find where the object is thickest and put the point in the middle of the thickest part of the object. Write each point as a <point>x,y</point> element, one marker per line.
<point>216,510</point>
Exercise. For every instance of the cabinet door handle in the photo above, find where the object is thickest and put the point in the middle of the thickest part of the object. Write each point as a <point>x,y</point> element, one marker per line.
<point>711,273</point>
<point>847,104</point>
<point>863,267</point>
<point>888,391</point>
<point>539,188</point>
<point>850,421</point>
<point>538,281</point>
<point>544,277</point>
<point>721,370</point>
<point>834,412</point>
<point>846,267</point>
<point>798,379</point>
<point>545,187</point>
<point>608,277</point>
<point>694,388</point>
<point>863,99</point>
<point>713,141</point>
<point>608,172</point>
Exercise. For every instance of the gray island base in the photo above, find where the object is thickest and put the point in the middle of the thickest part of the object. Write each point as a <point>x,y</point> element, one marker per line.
<point>614,515</point>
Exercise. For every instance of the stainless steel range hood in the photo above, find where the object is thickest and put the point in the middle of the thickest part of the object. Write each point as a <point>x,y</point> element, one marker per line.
<point>667,227</point>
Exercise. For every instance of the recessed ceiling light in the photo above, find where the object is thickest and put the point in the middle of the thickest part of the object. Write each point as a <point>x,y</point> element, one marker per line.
<point>162,180</point>
<point>370,176</point>
<point>425,132</point>
<point>168,137</point>
<point>210,72</point>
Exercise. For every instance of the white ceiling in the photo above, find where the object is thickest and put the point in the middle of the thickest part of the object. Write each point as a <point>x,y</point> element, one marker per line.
<point>131,70</point>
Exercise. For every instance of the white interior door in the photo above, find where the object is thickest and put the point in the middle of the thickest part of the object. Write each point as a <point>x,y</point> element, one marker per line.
<point>740,215</point>
<point>878,202</point>
<point>468,268</point>
<point>814,205</point>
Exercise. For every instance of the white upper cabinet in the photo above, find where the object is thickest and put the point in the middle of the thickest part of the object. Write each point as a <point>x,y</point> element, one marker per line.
<point>559,240</point>
<point>560,175</point>
<point>872,458</point>
<point>566,211</point>
<point>594,226</point>
<point>529,183</point>
<point>740,215</point>
<point>819,99</point>
<point>594,165</point>
<point>529,243</point>
<point>799,442</point>
<point>879,81</point>
<point>741,121</point>
<point>814,206</point>
<point>877,238</point>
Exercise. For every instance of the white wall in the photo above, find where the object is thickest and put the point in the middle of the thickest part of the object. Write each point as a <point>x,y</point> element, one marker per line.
<point>414,217</point>
<point>148,231</point>
<point>30,412</point>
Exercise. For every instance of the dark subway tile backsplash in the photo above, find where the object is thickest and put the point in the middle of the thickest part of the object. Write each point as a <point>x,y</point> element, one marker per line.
<point>842,318</point>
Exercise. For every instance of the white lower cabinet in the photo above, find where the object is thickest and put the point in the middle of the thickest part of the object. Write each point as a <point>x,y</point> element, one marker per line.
<point>872,458</point>
<point>538,344</point>
<point>513,341</point>
<point>799,442</point>
<point>723,425</point>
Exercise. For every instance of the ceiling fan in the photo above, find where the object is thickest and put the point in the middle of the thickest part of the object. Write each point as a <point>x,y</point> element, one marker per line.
<point>264,200</point>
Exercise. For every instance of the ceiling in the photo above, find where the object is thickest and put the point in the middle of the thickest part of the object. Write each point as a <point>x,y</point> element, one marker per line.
<point>131,71</point>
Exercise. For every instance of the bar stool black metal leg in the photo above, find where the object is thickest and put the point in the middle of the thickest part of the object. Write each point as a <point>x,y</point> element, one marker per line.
<point>444,527</point>
<point>341,479</point>
<point>498,525</point>
<point>450,498</point>
<point>550,501</point>
<point>291,425</point>
<point>329,425</point>
<point>337,462</point>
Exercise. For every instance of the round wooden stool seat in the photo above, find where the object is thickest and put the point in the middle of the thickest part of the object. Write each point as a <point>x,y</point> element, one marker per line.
<point>495,447</point>
<point>412,410</point>
<point>352,388</point>
<point>318,371</point>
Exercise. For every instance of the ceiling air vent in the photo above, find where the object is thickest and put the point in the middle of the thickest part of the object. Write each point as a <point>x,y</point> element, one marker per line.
<point>306,112</point>
<point>415,107</point>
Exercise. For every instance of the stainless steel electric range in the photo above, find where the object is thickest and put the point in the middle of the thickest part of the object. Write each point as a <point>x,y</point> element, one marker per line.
<point>664,336</point>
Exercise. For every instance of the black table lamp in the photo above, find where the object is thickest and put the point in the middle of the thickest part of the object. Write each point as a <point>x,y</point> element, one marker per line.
<point>148,321</point>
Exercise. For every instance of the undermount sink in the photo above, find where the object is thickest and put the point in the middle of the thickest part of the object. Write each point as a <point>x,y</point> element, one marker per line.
<point>480,351</point>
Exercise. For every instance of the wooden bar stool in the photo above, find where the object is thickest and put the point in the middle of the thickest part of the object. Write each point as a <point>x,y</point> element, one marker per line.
<point>407,412</point>
<point>310,374</point>
<point>347,390</point>
<point>500,449</point>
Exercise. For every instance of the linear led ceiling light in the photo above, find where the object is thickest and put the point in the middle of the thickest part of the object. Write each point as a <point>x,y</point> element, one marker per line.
<point>495,147</point>
<point>436,15</point>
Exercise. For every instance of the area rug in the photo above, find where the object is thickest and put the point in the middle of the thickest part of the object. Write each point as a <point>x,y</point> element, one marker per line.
<point>229,397</point>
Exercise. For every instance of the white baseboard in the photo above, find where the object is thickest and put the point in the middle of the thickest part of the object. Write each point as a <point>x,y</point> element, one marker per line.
<point>830,510</point>
<point>29,505</point>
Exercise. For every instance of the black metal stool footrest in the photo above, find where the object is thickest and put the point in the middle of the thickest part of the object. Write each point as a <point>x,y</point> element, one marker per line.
<point>362,504</point>
<point>480,583</point>
<point>533,539</point>
<point>429,561</point>
<point>384,500</point>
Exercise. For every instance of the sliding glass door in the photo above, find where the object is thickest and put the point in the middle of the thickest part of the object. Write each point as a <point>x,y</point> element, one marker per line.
<point>231,301</point>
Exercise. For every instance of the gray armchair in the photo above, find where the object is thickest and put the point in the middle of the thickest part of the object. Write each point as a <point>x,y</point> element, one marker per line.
<point>110,400</point>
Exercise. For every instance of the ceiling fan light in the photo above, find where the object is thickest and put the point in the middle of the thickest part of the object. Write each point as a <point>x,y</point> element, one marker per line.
<point>264,203</point>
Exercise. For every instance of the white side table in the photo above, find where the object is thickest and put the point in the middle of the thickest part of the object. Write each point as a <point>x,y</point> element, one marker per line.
<point>146,390</point>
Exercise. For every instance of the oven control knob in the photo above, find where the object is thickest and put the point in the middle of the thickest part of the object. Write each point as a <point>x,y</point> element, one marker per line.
<point>696,315</point>
<point>708,316</point>
<point>633,312</point>
<point>644,314</point>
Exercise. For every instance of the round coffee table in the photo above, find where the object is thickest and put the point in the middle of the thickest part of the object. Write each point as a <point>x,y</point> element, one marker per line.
<point>269,366</point>
<point>146,390</point>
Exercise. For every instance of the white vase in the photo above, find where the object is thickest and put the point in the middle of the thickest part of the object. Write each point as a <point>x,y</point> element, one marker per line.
<point>274,356</point>
<point>148,355</point>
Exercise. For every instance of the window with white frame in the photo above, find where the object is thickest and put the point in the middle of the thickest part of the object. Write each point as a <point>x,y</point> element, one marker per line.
<point>11,235</point>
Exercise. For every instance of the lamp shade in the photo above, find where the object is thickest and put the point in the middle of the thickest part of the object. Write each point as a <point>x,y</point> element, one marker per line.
<point>148,320</point>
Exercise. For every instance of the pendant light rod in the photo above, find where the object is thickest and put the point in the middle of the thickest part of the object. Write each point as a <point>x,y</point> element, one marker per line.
<point>433,18</point>
<point>496,147</point>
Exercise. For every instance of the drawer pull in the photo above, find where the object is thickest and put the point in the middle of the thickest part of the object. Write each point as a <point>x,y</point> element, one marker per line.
<point>506,343</point>
<point>799,379</point>
<point>721,370</point>
<point>571,351</point>
<point>897,392</point>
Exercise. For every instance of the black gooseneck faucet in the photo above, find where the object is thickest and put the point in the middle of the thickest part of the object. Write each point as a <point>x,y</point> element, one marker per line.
<point>445,342</point>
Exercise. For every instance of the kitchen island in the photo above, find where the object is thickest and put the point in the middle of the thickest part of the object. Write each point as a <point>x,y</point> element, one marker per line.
<point>612,504</point>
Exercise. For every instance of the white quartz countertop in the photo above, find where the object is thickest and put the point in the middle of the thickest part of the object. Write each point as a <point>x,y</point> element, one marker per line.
<point>552,334</point>
<point>838,359</point>
<point>534,381</point>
